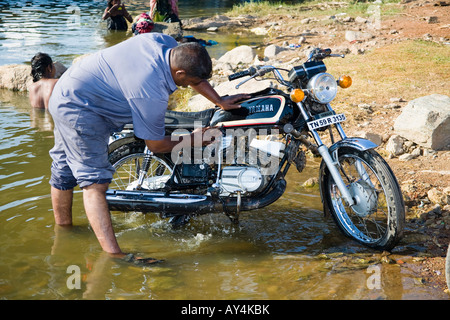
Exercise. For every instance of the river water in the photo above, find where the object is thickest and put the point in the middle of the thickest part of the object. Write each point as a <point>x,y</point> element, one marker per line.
<point>66,29</point>
<point>287,251</point>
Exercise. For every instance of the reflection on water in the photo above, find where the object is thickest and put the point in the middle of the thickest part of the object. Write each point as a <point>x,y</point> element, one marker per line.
<point>61,28</point>
<point>66,28</point>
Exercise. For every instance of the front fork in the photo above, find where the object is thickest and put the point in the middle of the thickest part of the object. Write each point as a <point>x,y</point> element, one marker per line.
<point>331,163</point>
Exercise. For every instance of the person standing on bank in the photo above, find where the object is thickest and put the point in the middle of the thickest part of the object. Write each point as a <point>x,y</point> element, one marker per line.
<point>164,10</point>
<point>127,83</point>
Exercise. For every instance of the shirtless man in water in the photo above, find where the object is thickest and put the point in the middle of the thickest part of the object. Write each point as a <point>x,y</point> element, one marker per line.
<point>43,73</point>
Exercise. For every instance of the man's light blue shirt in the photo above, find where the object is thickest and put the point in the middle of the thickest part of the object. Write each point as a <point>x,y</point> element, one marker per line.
<point>127,83</point>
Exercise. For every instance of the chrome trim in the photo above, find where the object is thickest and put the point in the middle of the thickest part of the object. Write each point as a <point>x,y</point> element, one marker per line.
<point>156,197</point>
<point>333,168</point>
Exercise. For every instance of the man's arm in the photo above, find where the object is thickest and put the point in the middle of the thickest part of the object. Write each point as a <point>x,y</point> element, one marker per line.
<point>126,14</point>
<point>226,103</point>
<point>164,145</point>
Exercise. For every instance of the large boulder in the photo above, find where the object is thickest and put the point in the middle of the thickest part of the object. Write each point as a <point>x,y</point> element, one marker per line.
<point>15,77</point>
<point>426,121</point>
<point>242,54</point>
<point>271,51</point>
<point>217,22</point>
<point>171,29</point>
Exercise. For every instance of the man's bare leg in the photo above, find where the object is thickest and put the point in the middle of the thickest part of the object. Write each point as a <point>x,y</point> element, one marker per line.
<point>97,211</point>
<point>62,206</point>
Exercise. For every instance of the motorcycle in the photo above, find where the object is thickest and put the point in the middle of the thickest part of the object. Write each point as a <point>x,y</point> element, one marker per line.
<point>244,168</point>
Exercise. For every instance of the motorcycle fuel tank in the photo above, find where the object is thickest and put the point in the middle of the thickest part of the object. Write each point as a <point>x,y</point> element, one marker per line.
<point>258,111</point>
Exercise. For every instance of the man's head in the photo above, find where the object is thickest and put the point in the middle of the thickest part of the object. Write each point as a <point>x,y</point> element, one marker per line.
<point>190,63</point>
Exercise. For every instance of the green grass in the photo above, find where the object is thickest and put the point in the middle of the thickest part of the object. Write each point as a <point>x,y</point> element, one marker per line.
<point>409,70</point>
<point>311,8</point>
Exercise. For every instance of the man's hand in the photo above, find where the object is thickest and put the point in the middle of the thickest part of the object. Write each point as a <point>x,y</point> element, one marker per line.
<point>199,137</point>
<point>227,103</point>
<point>230,102</point>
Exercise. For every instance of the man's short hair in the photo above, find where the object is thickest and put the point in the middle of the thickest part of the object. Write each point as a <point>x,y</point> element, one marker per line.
<point>194,59</point>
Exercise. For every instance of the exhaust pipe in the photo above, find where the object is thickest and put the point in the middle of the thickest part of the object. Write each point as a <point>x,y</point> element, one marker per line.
<point>181,204</point>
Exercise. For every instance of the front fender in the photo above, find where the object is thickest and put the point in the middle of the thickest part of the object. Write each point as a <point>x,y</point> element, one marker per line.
<point>360,144</point>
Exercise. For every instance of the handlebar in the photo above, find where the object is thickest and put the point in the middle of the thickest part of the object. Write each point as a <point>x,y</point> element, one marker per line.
<point>252,72</point>
<point>316,54</point>
<point>249,72</point>
<point>320,54</point>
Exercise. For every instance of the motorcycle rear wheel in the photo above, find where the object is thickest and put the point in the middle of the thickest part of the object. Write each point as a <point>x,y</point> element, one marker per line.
<point>128,160</point>
<point>377,218</point>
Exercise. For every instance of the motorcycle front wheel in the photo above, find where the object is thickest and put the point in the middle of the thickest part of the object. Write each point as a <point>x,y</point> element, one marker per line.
<point>377,218</point>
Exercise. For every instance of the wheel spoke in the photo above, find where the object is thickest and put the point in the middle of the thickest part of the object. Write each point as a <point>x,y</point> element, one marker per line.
<point>129,168</point>
<point>368,219</point>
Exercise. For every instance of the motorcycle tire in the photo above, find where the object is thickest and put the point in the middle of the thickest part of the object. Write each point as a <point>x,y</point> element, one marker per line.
<point>377,218</point>
<point>128,160</point>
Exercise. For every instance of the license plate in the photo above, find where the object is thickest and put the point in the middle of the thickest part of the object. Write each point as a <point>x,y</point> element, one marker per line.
<point>326,121</point>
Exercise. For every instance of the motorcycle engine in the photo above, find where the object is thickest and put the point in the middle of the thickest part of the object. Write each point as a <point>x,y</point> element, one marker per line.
<point>242,179</point>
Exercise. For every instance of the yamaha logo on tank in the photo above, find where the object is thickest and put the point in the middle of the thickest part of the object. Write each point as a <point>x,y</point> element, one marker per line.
<point>260,108</point>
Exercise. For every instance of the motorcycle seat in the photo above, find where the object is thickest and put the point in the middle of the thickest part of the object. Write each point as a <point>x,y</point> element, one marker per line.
<point>185,120</point>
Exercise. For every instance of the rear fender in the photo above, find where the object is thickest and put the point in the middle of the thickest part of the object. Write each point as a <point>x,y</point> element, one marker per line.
<point>122,141</point>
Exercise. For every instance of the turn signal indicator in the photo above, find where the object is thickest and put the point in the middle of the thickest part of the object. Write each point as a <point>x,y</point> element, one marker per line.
<point>345,81</point>
<point>297,95</point>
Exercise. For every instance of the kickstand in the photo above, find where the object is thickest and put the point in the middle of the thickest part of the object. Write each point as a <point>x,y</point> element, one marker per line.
<point>234,217</point>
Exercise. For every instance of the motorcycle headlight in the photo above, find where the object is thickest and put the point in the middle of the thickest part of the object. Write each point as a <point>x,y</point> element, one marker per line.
<point>323,87</point>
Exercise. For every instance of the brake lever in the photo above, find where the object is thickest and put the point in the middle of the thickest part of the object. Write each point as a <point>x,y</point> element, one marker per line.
<point>257,72</point>
<point>244,81</point>
<point>336,55</point>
